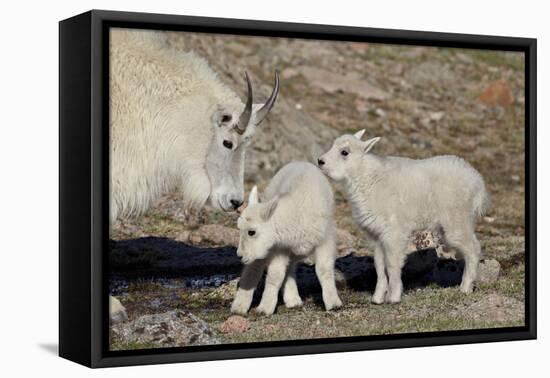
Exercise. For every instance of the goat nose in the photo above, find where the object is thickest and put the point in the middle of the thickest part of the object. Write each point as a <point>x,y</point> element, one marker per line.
<point>236,203</point>
<point>321,162</point>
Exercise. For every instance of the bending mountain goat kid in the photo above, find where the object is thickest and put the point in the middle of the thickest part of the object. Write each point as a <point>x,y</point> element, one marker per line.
<point>294,221</point>
<point>174,125</point>
<point>393,197</point>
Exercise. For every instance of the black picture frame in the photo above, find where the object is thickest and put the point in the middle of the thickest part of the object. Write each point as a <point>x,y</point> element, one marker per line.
<point>84,191</point>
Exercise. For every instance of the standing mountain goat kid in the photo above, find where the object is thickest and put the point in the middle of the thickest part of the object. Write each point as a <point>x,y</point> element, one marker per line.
<point>296,220</point>
<point>393,197</point>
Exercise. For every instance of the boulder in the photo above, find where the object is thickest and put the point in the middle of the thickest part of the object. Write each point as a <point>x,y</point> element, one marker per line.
<point>489,270</point>
<point>494,308</point>
<point>169,329</point>
<point>332,82</point>
<point>497,93</point>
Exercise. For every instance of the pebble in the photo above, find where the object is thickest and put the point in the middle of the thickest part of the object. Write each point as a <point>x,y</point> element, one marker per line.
<point>235,324</point>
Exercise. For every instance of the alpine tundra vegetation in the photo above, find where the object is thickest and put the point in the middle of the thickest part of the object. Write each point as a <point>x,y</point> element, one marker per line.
<point>394,197</point>
<point>295,221</point>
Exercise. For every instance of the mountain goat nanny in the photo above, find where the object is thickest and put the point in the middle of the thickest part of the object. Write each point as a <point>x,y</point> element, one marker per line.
<point>174,126</point>
<point>296,220</point>
<point>393,197</point>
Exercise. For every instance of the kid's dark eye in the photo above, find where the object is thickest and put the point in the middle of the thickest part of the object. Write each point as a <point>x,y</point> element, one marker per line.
<point>251,232</point>
<point>228,144</point>
<point>344,153</point>
<point>226,118</point>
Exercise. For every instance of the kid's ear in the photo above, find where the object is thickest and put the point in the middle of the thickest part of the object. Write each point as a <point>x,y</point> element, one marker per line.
<point>359,134</point>
<point>253,197</point>
<point>370,143</point>
<point>271,206</point>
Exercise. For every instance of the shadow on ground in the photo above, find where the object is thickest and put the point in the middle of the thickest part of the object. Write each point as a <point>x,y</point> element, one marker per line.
<point>51,348</point>
<point>161,258</point>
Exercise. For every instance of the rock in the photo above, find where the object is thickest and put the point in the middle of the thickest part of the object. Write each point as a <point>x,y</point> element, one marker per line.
<point>489,270</point>
<point>155,303</point>
<point>117,311</point>
<point>431,73</point>
<point>235,324</point>
<point>359,47</point>
<point>379,113</point>
<point>362,105</point>
<point>332,82</point>
<point>289,73</point>
<point>183,236</point>
<point>497,93</point>
<point>436,116</point>
<point>414,52</point>
<point>195,239</point>
<point>216,234</point>
<point>280,140</point>
<point>169,329</point>
<point>493,307</point>
<point>464,58</point>
<point>226,291</point>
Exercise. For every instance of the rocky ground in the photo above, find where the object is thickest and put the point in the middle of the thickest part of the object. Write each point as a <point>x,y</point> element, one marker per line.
<point>176,271</point>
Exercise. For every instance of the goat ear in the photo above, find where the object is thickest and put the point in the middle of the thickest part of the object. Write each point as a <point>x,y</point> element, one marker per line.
<point>359,134</point>
<point>370,143</point>
<point>271,206</point>
<point>221,117</point>
<point>253,197</point>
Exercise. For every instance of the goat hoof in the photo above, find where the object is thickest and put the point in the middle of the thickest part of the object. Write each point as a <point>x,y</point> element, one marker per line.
<point>337,303</point>
<point>261,310</point>
<point>293,303</point>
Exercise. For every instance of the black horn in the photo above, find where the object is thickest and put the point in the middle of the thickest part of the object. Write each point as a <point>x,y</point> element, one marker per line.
<point>240,127</point>
<point>262,113</point>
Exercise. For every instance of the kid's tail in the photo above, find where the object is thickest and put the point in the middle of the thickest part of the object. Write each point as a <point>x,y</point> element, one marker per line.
<point>482,201</point>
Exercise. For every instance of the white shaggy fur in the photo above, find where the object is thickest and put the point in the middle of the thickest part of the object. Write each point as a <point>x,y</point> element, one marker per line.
<point>392,197</point>
<point>170,115</point>
<point>296,220</point>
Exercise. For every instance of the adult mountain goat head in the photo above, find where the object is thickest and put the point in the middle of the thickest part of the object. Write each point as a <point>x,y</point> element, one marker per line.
<point>233,130</point>
<point>175,126</point>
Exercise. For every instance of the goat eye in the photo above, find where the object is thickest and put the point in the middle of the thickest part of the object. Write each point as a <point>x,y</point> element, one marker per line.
<point>228,144</point>
<point>344,153</point>
<point>226,118</point>
<point>251,232</point>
